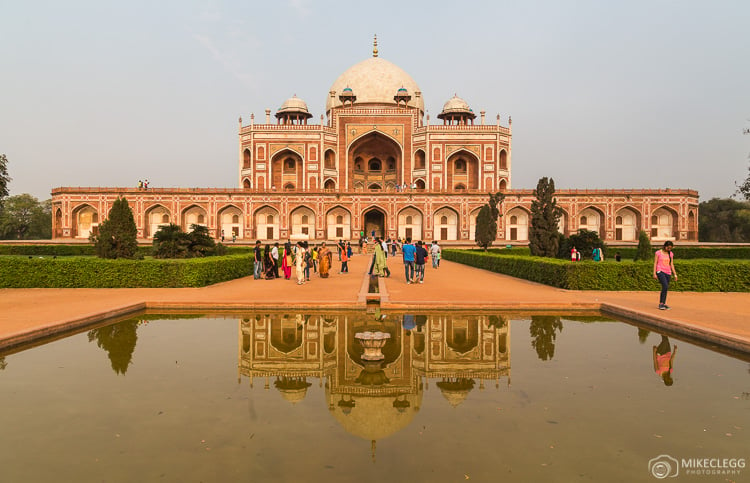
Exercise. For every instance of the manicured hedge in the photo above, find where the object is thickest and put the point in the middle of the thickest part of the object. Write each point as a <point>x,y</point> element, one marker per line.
<point>694,275</point>
<point>93,272</point>
<point>59,250</point>
<point>686,253</point>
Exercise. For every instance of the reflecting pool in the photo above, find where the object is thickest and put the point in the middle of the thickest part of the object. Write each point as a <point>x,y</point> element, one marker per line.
<point>351,396</point>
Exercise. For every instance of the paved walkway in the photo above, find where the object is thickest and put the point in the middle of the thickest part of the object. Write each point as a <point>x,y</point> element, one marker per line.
<point>720,318</point>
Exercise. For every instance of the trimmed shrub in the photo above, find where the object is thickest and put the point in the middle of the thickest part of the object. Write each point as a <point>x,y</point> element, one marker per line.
<point>91,272</point>
<point>694,275</point>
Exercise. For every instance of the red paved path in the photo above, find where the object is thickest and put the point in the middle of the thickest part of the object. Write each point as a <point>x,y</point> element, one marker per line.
<point>722,318</point>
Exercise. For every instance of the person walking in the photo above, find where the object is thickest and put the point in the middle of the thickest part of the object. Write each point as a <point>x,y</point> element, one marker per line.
<point>435,252</point>
<point>345,254</point>
<point>258,261</point>
<point>325,259</point>
<point>341,247</point>
<point>275,258</point>
<point>308,260</point>
<point>378,266</point>
<point>300,262</point>
<point>268,264</point>
<point>664,271</point>
<point>420,258</point>
<point>287,261</point>
<point>408,251</point>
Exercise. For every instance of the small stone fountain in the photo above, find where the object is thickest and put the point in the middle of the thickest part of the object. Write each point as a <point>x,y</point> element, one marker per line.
<point>373,343</point>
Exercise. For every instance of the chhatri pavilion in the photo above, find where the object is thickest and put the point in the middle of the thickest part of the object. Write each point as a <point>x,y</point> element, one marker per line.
<point>374,163</point>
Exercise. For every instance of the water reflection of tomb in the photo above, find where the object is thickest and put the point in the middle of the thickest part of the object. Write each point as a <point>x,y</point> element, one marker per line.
<point>373,399</point>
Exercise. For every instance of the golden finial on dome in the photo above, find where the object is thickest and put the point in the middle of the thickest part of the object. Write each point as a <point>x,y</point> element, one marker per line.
<point>375,46</point>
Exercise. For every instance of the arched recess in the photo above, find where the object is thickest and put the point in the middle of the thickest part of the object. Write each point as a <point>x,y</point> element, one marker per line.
<point>374,158</point>
<point>231,222</point>
<point>267,223</point>
<point>302,223</point>
<point>463,169</point>
<point>627,224</point>
<point>193,215</point>
<point>419,159</point>
<point>246,159</point>
<point>563,223</point>
<point>462,334</point>
<point>503,159</point>
<point>374,220</point>
<point>517,224</point>
<point>329,185</point>
<point>445,221</point>
<point>329,159</point>
<point>473,224</point>
<point>287,334</point>
<point>503,186</point>
<point>410,223</point>
<point>85,221</point>
<point>58,220</point>
<point>246,184</point>
<point>420,184</point>
<point>154,218</point>
<point>664,224</point>
<point>286,170</point>
<point>591,219</point>
<point>339,223</point>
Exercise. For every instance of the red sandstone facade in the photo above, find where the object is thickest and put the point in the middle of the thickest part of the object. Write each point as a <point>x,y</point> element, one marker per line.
<point>375,165</point>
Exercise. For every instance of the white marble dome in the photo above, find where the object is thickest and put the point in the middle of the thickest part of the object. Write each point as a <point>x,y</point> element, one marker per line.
<point>374,81</point>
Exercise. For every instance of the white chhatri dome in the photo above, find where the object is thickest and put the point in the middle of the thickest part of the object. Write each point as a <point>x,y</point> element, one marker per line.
<point>456,104</point>
<point>293,104</point>
<point>374,81</point>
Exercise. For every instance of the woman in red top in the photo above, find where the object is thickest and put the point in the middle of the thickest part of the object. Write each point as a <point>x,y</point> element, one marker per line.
<point>664,271</point>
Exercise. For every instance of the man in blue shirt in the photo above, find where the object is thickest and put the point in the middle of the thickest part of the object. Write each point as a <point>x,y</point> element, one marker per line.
<point>408,251</point>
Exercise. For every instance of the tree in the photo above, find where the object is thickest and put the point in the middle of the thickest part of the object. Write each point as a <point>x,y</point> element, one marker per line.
<point>585,241</point>
<point>644,252</point>
<point>25,218</point>
<point>744,188</point>
<point>4,178</point>
<point>118,340</point>
<point>544,240</point>
<point>171,242</point>
<point>724,220</point>
<point>486,226</point>
<point>117,236</point>
<point>543,330</point>
<point>201,243</point>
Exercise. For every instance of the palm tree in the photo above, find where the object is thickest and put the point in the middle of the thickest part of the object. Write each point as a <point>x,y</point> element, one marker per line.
<point>171,242</point>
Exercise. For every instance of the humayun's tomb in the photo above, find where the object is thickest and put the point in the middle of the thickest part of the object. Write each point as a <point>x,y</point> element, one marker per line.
<point>375,163</point>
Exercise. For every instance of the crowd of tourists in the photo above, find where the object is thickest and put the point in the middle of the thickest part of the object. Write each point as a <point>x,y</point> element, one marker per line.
<point>274,262</point>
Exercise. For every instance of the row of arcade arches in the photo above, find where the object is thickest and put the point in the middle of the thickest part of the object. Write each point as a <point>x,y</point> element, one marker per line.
<point>410,222</point>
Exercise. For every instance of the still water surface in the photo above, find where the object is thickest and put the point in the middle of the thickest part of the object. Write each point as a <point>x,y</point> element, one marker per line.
<point>453,397</point>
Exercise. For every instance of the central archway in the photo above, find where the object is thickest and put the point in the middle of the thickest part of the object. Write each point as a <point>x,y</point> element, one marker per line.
<point>373,220</point>
<point>374,159</point>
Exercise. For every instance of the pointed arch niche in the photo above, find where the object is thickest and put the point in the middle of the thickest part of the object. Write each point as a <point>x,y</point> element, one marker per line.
<point>374,160</point>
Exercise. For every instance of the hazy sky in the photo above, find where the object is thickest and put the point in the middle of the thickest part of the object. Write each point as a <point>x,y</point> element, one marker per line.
<point>603,94</point>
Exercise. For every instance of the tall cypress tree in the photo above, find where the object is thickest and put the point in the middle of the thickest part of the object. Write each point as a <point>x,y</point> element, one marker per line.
<point>117,236</point>
<point>545,216</point>
<point>486,225</point>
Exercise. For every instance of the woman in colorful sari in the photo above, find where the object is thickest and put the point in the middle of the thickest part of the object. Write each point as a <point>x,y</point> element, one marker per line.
<point>300,263</point>
<point>379,266</point>
<point>325,258</point>
<point>268,264</point>
<point>286,261</point>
